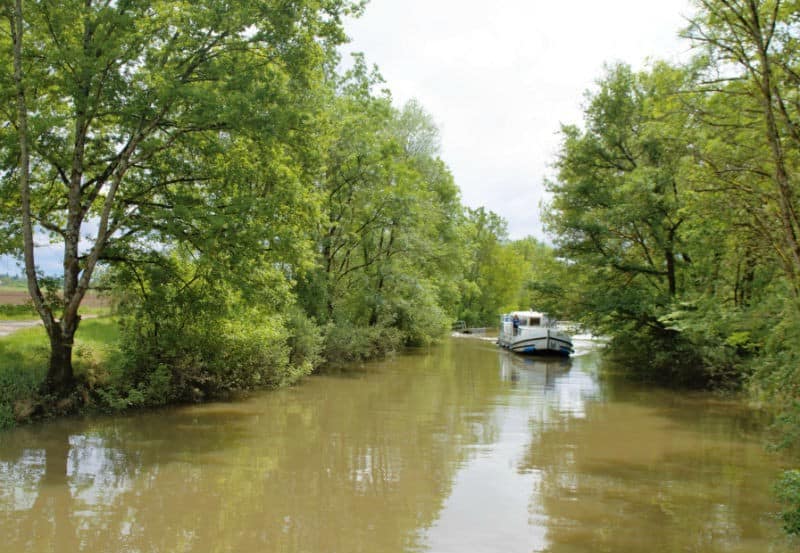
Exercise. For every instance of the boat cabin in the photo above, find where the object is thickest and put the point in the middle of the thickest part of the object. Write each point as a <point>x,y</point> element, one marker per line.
<point>525,318</point>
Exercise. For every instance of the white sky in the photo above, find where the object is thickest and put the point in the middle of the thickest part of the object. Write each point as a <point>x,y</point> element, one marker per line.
<point>499,79</point>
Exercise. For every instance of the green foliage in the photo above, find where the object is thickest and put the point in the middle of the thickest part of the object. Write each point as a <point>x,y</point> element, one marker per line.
<point>776,378</point>
<point>23,359</point>
<point>657,355</point>
<point>187,335</point>
<point>222,198</point>
<point>388,237</point>
<point>623,211</point>
<point>347,343</point>
<point>17,312</point>
<point>676,207</point>
<point>493,272</point>
<point>305,341</point>
<point>548,283</point>
<point>788,491</point>
<point>129,116</point>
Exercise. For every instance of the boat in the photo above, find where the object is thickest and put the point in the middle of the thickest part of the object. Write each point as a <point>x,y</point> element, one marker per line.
<point>535,334</point>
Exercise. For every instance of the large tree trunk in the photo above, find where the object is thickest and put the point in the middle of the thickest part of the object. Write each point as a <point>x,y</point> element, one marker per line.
<point>60,376</point>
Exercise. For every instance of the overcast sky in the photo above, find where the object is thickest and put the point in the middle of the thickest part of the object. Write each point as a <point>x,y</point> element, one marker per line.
<point>500,77</point>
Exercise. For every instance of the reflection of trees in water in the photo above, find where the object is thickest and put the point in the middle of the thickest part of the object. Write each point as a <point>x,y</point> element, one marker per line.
<point>20,479</point>
<point>355,464</point>
<point>634,476</point>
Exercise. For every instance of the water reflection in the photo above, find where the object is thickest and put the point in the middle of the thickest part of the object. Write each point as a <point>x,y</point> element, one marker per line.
<point>20,478</point>
<point>633,476</point>
<point>459,448</point>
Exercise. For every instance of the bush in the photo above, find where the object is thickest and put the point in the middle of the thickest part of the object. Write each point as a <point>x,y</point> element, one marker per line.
<point>306,342</point>
<point>345,342</point>
<point>188,335</point>
<point>199,357</point>
<point>419,316</point>
<point>660,356</point>
<point>788,491</point>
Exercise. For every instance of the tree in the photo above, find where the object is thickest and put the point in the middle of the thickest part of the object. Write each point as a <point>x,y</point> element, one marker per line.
<point>619,212</point>
<point>617,201</point>
<point>117,106</point>
<point>390,213</point>
<point>548,283</point>
<point>751,47</point>
<point>494,272</point>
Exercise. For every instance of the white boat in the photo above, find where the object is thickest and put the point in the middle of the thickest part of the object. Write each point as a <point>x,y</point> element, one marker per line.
<point>534,334</point>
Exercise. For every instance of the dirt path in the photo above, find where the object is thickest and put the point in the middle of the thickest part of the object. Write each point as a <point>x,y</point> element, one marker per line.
<point>7,327</point>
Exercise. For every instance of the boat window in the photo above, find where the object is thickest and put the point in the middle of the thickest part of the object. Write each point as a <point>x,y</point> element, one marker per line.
<point>534,322</point>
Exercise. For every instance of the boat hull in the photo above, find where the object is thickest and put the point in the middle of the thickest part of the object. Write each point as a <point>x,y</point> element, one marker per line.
<point>538,342</point>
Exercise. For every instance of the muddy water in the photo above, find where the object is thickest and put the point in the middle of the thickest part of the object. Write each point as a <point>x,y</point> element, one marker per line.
<point>460,449</point>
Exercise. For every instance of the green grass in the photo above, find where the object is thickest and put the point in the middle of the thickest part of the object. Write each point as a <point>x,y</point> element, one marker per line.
<point>30,348</point>
<point>26,349</point>
<point>28,313</point>
<point>23,365</point>
<point>24,356</point>
<point>17,312</point>
<point>96,353</point>
<point>7,284</point>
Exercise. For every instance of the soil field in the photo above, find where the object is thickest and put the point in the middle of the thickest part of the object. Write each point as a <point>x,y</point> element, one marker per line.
<point>18,297</point>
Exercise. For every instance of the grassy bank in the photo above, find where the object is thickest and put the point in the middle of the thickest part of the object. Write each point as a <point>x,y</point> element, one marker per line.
<point>24,357</point>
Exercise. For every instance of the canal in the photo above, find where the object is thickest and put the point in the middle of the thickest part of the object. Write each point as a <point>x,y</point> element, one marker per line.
<point>460,448</point>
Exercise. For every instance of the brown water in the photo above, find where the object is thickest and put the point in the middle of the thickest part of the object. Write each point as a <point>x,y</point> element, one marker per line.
<point>459,449</point>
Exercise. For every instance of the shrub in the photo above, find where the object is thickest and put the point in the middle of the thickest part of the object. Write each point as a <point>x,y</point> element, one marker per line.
<point>345,342</point>
<point>661,356</point>
<point>306,342</point>
<point>788,491</point>
<point>188,334</point>
<point>189,359</point>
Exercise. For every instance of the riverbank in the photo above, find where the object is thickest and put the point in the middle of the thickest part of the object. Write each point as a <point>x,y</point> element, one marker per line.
<point>114,372</point>
<point>24,354</point>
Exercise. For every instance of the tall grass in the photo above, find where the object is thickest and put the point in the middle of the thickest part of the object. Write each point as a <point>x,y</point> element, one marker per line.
<point>23,365</point>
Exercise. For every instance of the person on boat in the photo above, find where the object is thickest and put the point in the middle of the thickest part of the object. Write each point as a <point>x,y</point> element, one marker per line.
<point>515,322</point>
